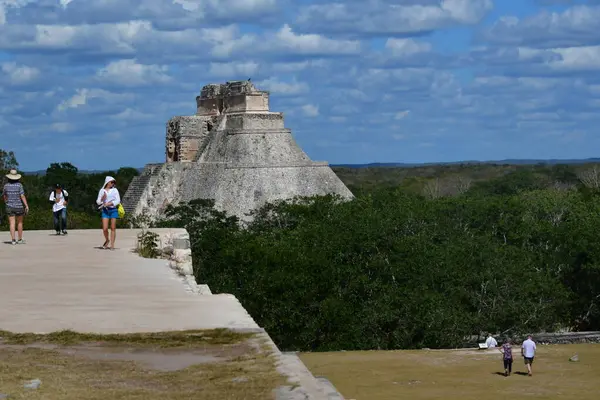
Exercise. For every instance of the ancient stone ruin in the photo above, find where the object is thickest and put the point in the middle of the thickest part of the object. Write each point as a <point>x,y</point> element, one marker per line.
<point>235,151</point>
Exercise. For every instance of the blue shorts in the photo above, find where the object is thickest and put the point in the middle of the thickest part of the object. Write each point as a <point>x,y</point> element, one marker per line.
<point>110,213</point>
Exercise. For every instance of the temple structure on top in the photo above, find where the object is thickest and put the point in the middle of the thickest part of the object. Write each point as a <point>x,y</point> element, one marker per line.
<point>235,151</point>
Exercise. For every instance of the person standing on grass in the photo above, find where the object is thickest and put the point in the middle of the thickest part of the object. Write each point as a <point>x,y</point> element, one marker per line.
<point>507,357</point>
<point>59,197</point>
<point>491,342</point>
<point>528,351</point>
<point>108,200</point>
<point>16,204</point>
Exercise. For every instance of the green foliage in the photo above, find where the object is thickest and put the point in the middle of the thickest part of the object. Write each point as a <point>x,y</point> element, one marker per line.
<point>147,244</point>
<point>8,161</point>
<point>394,270</point>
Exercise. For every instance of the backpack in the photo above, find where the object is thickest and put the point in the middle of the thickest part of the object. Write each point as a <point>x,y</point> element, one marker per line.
<point>64,193</point>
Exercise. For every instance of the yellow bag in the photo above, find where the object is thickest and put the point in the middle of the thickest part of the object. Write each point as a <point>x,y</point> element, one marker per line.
<point>121,210</point>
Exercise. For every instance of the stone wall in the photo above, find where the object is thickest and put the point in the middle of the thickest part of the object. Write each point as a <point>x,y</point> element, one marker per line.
<point>266,121</point>
<point>163,188</point>
<point>175,246</point>
<point>185,136</point>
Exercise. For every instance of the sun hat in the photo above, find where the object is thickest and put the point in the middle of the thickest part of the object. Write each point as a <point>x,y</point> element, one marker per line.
<point>108,179</point>
<point>13,175</point>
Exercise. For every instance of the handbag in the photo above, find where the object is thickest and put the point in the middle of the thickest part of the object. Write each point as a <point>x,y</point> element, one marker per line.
<point>121,210</point>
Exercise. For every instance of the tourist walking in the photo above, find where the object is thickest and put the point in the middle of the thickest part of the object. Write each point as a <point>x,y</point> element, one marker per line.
<point>507,357</point>
<point>108,200</point>
<point>16,205</point>
<point>59,197</point>
<point>528,351</point>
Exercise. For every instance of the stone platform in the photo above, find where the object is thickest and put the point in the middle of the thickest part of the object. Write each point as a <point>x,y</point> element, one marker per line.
<point>66,282</point>
<point>55,283</point>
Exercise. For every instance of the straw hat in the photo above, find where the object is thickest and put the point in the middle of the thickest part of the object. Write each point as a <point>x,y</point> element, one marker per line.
<point>13,175</point>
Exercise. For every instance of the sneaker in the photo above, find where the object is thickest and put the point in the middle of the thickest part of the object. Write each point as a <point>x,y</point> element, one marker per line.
<point>21,241</point>
<point>57,233</point>
<point>14,242</point>
<point>64,232</point>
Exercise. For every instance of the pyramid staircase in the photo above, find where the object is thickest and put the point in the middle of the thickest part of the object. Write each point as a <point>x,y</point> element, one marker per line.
<point>138,186</point>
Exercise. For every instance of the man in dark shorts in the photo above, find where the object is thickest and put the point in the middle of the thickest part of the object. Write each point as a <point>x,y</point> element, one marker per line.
<point>528,351</point>
<point>16,205</point>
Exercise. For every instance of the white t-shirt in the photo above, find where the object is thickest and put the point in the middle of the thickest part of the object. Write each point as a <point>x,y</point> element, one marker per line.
<point>61,203</point>
<point>529,348</point>
<point>491,342</point>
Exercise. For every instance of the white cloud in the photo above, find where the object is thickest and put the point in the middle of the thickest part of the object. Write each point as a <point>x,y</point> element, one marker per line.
<point>5,5</point>
<point>129,72</point>
<point>231,70</point>
<point>65,3</point>
<point>283,88</point>
<point>310,110</point>
<point>406,47</point>
<point>401,114</point>
<point>283,41</point>
<point>130,114</point>
<point>383,18</point>
<point>19,74</point>
<point>82,97</point>
<point>220,7</point>
<point>62,127</point>
<point>577,25</point>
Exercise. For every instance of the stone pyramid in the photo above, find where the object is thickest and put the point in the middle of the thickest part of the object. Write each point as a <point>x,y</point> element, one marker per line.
<point>235,151</point>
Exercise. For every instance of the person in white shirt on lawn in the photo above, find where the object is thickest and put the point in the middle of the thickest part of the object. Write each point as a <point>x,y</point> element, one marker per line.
<point>491,342</point>
<point>528,351</point>
<point>108,200</point>
<point>59,198</point>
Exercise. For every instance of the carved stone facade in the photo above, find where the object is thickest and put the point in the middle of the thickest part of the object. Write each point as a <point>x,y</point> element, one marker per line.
<point>234,151</point>
<point>185,136</point>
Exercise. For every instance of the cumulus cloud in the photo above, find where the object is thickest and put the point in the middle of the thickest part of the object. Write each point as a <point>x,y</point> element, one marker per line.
<point>575,26</point>
<point>276,86</point>
<point>130,73</point>
<point>384,18</point>
<point>5,5</point>
<point>83,96</point>
<point>18,74</point>
<point>310,110</point>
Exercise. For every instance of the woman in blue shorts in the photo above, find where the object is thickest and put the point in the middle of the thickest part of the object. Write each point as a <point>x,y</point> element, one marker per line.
<point>108,200</point>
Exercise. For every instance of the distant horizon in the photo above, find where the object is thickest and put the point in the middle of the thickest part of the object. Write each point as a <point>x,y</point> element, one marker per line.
<point>515,161</point>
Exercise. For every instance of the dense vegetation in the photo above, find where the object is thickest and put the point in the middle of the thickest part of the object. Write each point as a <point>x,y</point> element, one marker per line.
<point>420,260</point>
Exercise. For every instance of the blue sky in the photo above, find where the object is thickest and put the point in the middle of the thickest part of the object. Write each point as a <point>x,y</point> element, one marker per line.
<point>93,82</point>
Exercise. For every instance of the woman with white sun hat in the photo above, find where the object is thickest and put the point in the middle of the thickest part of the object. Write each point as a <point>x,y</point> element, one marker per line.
<point>109,201</point>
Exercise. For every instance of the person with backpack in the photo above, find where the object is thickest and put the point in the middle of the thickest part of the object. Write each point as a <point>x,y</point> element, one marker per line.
<point>59,198</point>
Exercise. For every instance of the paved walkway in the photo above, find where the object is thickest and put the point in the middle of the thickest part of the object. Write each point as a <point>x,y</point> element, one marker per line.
<point>65,282</point>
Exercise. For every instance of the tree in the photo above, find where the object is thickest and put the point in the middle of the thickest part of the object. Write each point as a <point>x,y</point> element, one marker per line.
<point>62,173</point>
<point>8,160</point>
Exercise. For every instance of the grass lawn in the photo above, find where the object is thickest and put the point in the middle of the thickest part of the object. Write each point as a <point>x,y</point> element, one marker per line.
<point>216,364</point>
<point>460,374</point>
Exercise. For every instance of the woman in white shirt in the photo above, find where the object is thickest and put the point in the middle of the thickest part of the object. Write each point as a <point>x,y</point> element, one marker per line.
<point>108,200</point>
